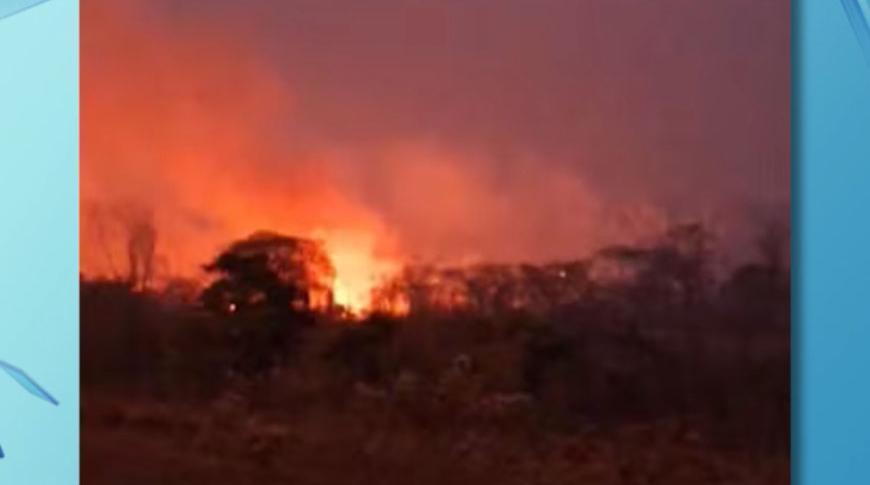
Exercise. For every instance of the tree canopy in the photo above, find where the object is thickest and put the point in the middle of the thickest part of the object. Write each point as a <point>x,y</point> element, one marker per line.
<point>270,270</point>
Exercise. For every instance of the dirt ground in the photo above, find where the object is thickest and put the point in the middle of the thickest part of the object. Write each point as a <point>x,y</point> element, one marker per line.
<point>155,444</point>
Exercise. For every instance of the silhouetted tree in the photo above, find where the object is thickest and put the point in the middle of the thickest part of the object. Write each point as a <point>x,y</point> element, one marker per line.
<point>119,231</point>
<point>141,244</point>
<point>271,271</point>
<point>761,288</point>
<point>675,269</point>
<point>268,285</point>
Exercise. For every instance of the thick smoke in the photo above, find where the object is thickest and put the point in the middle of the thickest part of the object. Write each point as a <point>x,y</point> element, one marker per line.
<point>404,131</point>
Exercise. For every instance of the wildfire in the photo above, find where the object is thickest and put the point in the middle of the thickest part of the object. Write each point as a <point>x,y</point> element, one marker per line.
<point>358,272</point>
<point>192,139</point>
<point>165,148</point>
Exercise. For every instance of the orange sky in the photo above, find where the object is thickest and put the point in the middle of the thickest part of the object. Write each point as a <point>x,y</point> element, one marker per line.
<point>311,120</point>
<point>175,128</point>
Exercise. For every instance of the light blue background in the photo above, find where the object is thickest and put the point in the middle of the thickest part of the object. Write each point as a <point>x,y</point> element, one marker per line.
<point>39,241</point>
<point>831,206</point>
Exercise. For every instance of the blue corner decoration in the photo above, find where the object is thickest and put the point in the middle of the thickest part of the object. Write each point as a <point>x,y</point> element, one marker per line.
<point>28,384</point>
<point>7,9</point>
<point>39,147</point>
<point>12,7</point>
<point>858,12</point>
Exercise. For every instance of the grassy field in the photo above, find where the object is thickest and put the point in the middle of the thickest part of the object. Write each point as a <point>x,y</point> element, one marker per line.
<point>152,443</point>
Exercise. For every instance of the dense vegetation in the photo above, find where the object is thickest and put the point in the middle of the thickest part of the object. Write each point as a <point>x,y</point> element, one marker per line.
<point>639,365</point>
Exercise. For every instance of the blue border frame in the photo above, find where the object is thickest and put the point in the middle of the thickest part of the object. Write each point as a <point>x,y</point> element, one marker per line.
<point>831,182</point>
<point>39,239</point>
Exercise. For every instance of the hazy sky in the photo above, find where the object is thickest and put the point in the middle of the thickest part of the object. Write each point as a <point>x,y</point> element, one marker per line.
<point>510,129</point>
<point>684,100</point>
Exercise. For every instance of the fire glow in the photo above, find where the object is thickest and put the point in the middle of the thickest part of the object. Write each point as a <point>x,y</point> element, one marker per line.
<point>188,127</point>
<point>166,145</point>
<point>357,273</point>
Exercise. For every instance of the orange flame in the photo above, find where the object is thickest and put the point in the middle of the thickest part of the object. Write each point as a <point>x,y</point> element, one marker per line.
<point>173,122</point>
